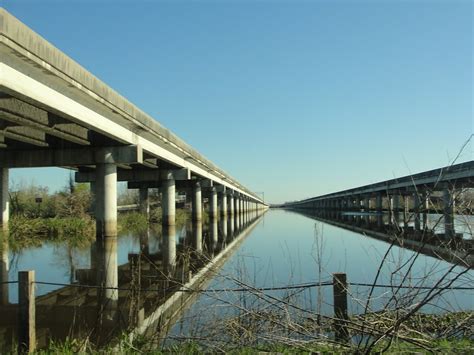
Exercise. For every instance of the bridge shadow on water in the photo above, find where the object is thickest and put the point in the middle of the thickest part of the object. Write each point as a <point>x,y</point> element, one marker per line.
<point>419,233</point>
<point>144,296</point>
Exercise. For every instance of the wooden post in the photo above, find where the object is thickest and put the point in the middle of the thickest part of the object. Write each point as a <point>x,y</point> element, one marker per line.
<point>340,306</point>
<point>26,312</point>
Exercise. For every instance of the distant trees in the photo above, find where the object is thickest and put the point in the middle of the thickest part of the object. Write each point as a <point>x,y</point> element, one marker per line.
<point>32,201</point>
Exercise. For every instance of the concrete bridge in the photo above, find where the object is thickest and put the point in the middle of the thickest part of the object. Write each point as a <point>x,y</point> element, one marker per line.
<point>394,230</point>
<point>54,113</point>
<point>430,191</point>
<point>153,287</point>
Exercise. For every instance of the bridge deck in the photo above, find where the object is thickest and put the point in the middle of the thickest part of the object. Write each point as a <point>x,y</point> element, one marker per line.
<point>49,102</point>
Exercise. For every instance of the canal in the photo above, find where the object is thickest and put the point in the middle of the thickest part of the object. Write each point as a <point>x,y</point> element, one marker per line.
<point>291,256</point>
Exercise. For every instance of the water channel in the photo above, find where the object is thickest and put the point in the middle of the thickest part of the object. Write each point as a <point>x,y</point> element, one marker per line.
<point>280,248</point>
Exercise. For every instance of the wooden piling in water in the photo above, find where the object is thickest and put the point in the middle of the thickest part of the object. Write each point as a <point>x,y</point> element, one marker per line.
<point>340,306</point>
<point>26,312</point>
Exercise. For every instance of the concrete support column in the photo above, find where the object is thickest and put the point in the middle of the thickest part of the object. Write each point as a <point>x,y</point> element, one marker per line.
<point>223,204</point>
<point>358,201</point>
<point>214,235</point>
<point>196,203</point>
<point>169,248</point>
<point>378,202</point>
<point>168,201</point>
<point>230,205</point>
<point>106,232</point>
<point>223,227</point>
<point>4,199</point>
<point>106,201</point>
<point>448,206</point>
<point>367,204</point>
<point>236,205</point>
<point>395,204</point>
<point>143,201</point>
<point>406,210</point>
<point>197,234</point>
<point>230,226</point>
<point>111,269</point>
<point>425,202</point>
<point>213,204</point>
<point>416,209</point>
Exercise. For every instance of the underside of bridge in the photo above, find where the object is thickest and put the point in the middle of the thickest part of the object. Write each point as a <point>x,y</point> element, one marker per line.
<point>54,113</point>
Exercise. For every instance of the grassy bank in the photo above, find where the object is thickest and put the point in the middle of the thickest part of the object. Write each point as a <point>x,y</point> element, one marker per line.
<point>444,346</point>
<point>26,232</point>
<point>434,336</point>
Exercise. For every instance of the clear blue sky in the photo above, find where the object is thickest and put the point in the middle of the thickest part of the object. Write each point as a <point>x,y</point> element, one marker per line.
<point>294,98</point>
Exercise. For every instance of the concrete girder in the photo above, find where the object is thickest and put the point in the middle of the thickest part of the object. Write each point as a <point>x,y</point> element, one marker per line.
<point>24,114</point>
<point>24,135</point>
<point>38,73</point>
<point>207,183</point>
<point>131,154</point>
<point>140,175</point>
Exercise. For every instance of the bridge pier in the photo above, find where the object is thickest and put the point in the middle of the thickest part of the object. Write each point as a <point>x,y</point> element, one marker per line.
<point>426,208</point>
<point>168,200</point>
<point>106,200</point>
<point>144,202</point>
<point>379,202</point>
<point>366,204</point>
<point>448,206</point>
<point>213,204</point>
<point>196,203</point>
<point>4,200</point>
<point>223,203</point>
<point>213,235</point>
<point>230,225</point>
<point>223,227</point>
<point>416,210</point>
<point>197,234</point>
<point>230,204</point>
<point>406,210</point>
<point>357,204</point>
<point>395,203</point>
<point>350,204</point>
<point>106,232</point>
<point>237,211</point>
<point>169,248</point>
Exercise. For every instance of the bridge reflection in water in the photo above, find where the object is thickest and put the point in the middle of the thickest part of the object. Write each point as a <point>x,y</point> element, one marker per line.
<point>402,230</point>
<point>145,295</point>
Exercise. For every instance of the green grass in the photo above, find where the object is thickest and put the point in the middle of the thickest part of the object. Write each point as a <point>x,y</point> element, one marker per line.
<point>444,346</point>
<point>27,232</point>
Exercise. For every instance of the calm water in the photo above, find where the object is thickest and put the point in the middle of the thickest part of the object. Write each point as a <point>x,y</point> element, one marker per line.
<point>288,248</point>
<point>285,248</point>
